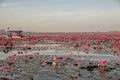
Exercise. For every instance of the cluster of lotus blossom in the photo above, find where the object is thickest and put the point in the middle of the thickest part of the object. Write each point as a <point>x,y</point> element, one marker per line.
<point>82,41</point>
<point>13,58</point>
<point>79,41</point>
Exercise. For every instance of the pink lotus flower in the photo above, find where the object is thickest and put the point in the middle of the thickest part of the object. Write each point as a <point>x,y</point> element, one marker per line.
<point>4,67</point>
<point>14,55</point>
<point>79,60</point>
<point>55,58</point>
<point>102,61</point>
<point>27,55</point>
<point>86,46</point>
<point>11,58</point>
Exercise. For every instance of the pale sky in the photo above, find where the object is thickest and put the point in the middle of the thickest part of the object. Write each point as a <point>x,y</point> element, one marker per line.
<point>60,15</point>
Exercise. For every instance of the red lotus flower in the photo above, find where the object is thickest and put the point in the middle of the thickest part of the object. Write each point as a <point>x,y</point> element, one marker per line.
<point>102,61</point>
<point>79,60</point>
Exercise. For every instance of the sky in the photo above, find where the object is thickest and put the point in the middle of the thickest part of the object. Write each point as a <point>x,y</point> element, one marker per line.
<point>60,15</point>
